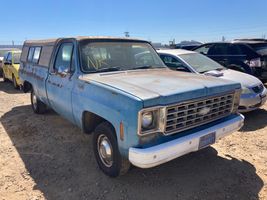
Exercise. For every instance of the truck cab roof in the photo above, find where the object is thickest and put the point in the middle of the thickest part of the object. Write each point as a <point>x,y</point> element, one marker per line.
<point>53,41</point>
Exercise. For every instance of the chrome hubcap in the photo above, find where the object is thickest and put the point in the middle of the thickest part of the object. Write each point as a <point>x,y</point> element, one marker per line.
<point>105,150</point>
<point>34,100</point>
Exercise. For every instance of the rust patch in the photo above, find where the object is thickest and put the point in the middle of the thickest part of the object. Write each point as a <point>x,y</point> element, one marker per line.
<point>81,86</point>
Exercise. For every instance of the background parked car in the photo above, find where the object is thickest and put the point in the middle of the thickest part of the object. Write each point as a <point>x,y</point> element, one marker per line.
<point>245,56</point>
<point>186,47</point>
<point>253,91</point>
<point>3,50</point>
<point>11,63</point>
<point>2,53</point>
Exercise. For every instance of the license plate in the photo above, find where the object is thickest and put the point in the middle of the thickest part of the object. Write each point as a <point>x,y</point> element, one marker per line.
<point>207,140</point>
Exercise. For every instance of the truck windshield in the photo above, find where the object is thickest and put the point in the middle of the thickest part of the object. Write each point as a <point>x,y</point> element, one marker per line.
<point>115,56</point>
<point>201,63</point>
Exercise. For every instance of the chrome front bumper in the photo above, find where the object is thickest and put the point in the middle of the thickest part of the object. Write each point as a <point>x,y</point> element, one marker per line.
<point>162,153</point>
<point>252,101</point>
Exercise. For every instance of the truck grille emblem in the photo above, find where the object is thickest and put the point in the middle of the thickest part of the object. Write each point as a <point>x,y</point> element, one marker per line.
<point>204,111</point>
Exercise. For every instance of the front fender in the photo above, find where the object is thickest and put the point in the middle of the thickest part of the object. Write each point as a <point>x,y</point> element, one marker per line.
<point>110,104</point>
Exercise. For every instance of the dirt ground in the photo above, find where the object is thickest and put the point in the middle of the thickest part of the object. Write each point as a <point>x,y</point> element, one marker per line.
<point>46,157</point>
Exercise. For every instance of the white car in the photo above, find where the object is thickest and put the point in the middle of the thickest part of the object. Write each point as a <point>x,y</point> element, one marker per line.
<point>254,94</point>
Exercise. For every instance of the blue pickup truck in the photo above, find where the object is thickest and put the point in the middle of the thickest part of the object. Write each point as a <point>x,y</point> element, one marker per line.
<point>138,111</point>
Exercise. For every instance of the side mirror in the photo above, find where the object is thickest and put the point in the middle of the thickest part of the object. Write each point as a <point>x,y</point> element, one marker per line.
<point>63,71</point>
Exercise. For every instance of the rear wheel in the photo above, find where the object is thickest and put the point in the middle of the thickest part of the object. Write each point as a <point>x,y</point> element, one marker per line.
<point>37,106</point>
<point>106,151</point>
<point>15,84</point>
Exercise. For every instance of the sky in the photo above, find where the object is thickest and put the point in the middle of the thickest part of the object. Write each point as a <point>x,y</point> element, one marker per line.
<point>153,20</point>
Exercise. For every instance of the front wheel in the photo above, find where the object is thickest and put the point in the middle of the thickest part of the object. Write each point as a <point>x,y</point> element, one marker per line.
<point>106,151</point>
<point>37,106</point>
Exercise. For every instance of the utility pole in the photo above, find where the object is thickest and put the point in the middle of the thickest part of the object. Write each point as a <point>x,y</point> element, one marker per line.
<point>127,34</point>
<point>13,43</point>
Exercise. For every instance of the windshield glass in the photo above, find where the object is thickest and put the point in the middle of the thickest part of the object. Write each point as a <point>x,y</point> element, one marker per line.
<point>100,56</point>
<point>16,58</point>
<point>201,63</point>
<point>260,48</point>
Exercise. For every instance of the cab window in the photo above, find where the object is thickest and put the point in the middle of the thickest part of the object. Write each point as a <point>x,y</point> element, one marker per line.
<point>204,49</point>
<point>218,49</point>
<point>235,50</point>
<point>64,58</point>
<point>30,54</point>
<point>36,54</point>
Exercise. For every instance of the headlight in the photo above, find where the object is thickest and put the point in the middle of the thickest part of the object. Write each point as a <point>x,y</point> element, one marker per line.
<point>245,90</point>
<point>151,120</point>
<point>147,119</point>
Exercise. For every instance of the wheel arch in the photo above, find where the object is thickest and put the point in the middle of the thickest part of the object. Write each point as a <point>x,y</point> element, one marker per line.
<point>91,120</point>
<point>27,86</point>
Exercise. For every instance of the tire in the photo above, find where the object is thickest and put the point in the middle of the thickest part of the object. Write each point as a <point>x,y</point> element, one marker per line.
<point>4,77</point>
<point>14,81</point>
<point>104,136</point>
<point>38,107</point>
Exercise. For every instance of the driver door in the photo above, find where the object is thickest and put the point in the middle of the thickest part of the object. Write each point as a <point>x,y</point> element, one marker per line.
<point>60,80</point>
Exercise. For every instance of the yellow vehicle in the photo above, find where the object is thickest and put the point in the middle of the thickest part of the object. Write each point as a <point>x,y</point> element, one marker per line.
<point>10,66</point>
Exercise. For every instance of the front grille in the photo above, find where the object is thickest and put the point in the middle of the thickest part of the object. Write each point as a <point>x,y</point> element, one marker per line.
<point>258,89</point>
<point>188,115</point>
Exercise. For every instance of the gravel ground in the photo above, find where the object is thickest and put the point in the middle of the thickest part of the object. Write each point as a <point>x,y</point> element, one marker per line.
<point>46,157</point>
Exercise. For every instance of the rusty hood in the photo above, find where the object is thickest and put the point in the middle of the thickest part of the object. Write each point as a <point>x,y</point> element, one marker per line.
<point>162,86</point>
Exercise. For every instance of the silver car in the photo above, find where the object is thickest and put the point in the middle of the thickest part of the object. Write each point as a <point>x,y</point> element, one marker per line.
<point>254,94</point>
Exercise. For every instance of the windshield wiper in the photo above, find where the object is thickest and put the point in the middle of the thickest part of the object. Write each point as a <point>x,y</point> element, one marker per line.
<point>107,69</point>
<point>146,67</point>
